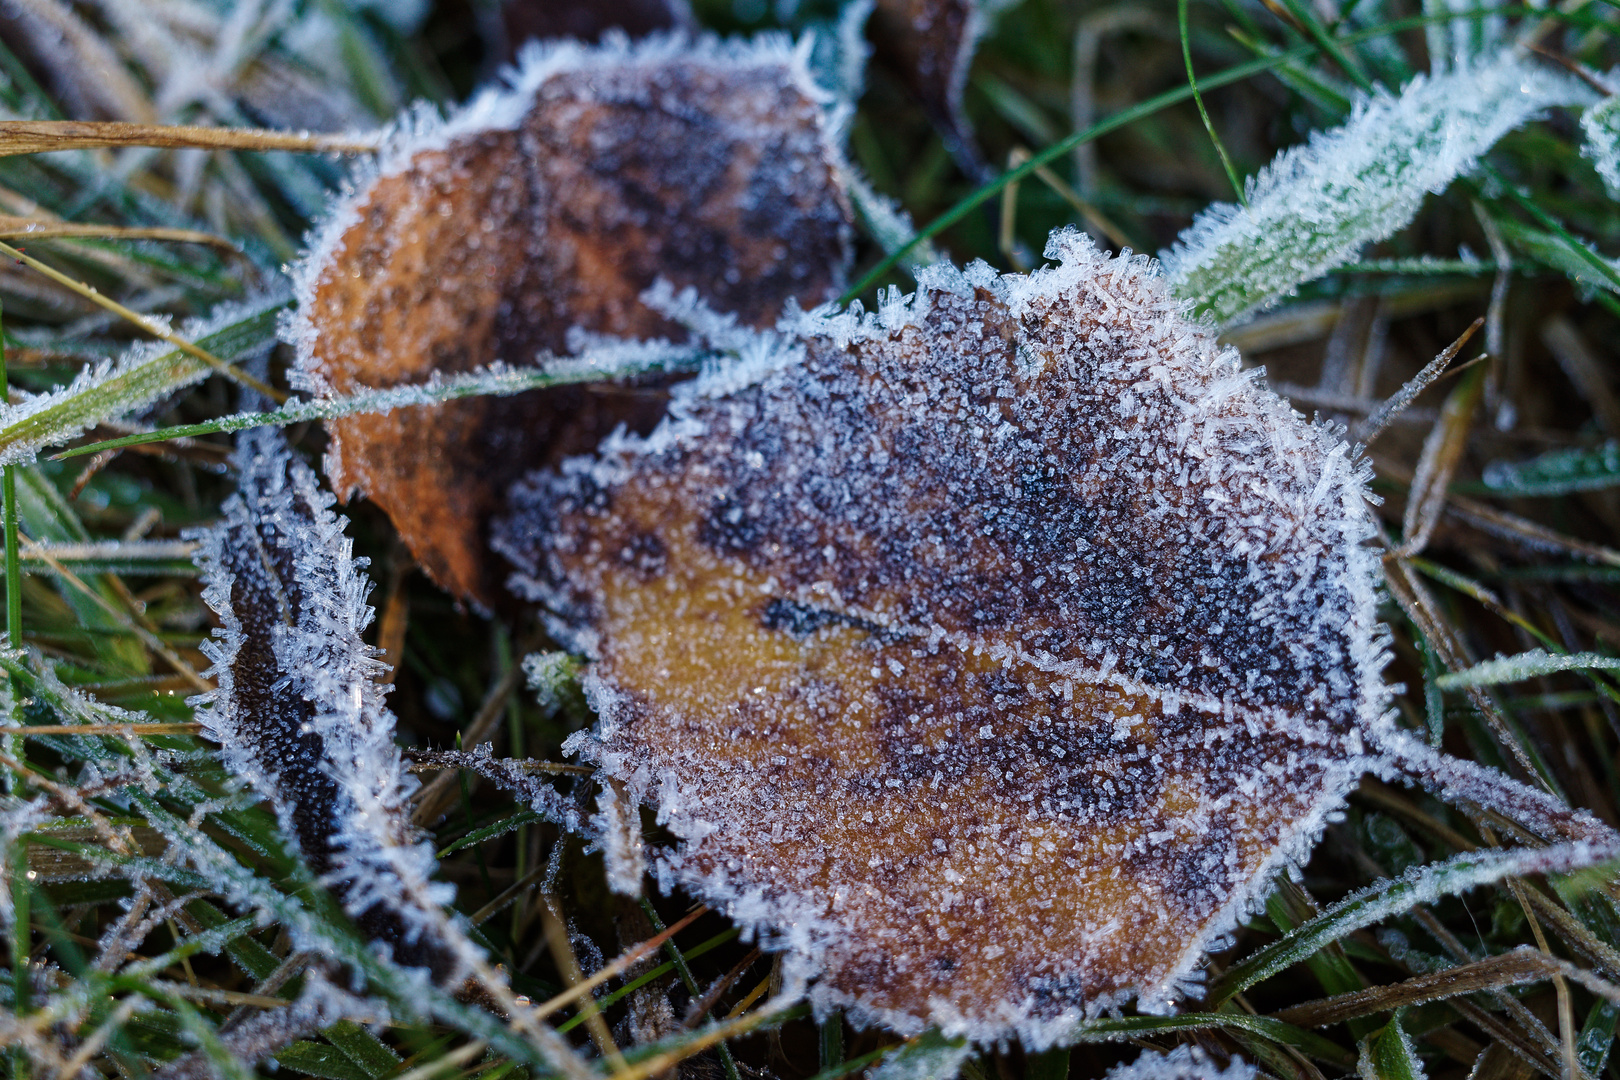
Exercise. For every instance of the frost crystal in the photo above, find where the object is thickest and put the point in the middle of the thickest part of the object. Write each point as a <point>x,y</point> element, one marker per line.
<point>987,653</point>
<point>298,710</point>
<point>546,207</point>
<point>1601,125</point>
<point>1316,205</point>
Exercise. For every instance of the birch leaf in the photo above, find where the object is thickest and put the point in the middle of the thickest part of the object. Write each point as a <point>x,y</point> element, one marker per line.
<point>986,652</point>
<point>539,211</point>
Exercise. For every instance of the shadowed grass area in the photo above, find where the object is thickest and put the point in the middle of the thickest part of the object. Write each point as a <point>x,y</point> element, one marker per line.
<point>155,918</point>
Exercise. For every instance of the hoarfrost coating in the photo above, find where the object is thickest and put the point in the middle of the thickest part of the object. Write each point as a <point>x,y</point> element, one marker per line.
<point>987,653</point>
<point>1316,205</point>
<point>298,710</point>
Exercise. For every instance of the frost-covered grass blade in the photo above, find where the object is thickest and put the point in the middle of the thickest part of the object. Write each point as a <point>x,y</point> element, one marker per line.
<point>1317,205</point>
<point>146,373</point>
<point>1525,665</point>
<point>1558,472</point>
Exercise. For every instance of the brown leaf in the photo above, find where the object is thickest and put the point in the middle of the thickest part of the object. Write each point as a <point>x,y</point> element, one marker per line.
<point>931,44</point>
<point>545,208</point>
<point>988,654</point>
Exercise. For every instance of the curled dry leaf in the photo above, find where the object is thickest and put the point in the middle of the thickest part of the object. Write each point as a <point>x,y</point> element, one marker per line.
<point>989,653</point>
<point>931,44</point>
<point>298,711</point>
<point>546,208</point>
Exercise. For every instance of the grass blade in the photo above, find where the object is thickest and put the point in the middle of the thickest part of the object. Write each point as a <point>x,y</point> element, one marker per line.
<point>1318,204</point>
<point>145,374</point>
<point>1558,472</point>
<point>1418,886</point>
<point>1525,665</point>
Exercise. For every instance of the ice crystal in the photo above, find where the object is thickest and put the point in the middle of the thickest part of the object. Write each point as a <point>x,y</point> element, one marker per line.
<point>987,652</point>
<point>298,709</point>
<point>1315,206</point>
<point>1601,125</point>
<point>541,208</point>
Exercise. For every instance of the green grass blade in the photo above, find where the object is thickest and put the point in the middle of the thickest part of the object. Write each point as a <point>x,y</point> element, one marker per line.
<point>1198,99</point>
<point>1390,1055</point>
<point>1420,885</point>
<point>114,390</point>
<point>1307,1042</point>
<point>1558,472</point>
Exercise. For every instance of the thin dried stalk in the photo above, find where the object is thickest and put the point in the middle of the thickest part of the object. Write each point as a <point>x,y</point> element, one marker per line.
<point>45,136</point>
<point>1522,965</point>
<point>22,228</point>
<point>1370,428</point>
<point>1442,453</point>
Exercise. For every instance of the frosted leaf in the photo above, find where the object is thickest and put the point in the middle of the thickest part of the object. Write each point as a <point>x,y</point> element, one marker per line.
<point>298,709</point>
<point>987,653</point>
<point>1316,205</point>
<point>543,208</point>
<point>1182,1063</point>
<point>1601,126</point>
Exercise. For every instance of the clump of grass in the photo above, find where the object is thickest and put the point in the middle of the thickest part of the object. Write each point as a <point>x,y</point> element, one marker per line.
<point>157,919</point>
